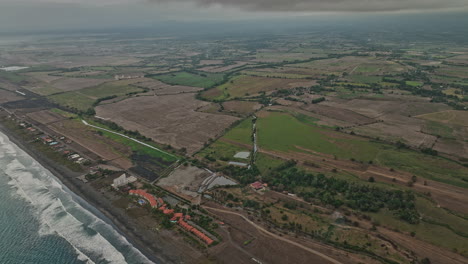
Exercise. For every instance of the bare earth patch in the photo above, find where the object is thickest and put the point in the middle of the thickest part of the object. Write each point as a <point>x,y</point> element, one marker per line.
<point>170,119</point>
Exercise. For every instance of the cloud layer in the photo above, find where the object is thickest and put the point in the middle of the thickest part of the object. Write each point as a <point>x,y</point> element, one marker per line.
<point>329,5</point>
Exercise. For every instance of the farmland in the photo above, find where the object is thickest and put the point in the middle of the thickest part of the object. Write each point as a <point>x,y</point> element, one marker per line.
<point>361,139</point>
<point>243,85</point>
<point>203,80</point>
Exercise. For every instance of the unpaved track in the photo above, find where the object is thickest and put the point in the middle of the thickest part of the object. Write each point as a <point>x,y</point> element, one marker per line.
<point>261,229</point>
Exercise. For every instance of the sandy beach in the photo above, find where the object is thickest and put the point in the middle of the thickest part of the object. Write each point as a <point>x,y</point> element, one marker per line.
<point>156,251</point>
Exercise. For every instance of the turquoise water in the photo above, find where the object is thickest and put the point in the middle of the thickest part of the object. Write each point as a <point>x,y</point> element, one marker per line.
<point>41,221</point>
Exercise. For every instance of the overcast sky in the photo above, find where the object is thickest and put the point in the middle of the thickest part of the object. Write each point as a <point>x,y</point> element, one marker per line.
<point>63,14</point>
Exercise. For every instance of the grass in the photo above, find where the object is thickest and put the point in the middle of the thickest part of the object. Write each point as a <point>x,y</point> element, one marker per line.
<point>73,100</point>
<point>365,79</point>
<point>439,129</point>
<point>414,83</point>
<point>283,132</point>
<point>432,233</point>
<point>425,166</point>
<point>275,74</point>
<point>203,80</point>
<point>11,76</point>
<point>244,85</point>
<point>63,113</point>
<point>223,150</point>
<point>241,133</point>
<point>117,88</point>
<point>135,146</point>
<point>47,90</point>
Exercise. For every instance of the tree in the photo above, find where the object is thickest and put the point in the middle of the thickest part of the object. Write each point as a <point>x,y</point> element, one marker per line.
<point>371,179</point>
<point>284,217</point>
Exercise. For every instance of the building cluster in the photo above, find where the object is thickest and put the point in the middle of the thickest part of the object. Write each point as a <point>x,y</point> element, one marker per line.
<point>123,180</point>
<point>56,143</point>
<point>178,218</point>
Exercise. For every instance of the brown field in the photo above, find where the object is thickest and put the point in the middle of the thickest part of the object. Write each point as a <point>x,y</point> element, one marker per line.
<point>73,84</point>
<point>170,119</point>
<point>211,62</point>
<point>45,117</point>
<point>6,96</point>
<point>160,88</point>
<point>185,181</point>
<point>86,137</point>
<point>241,107</point>
<point>402,105</point>
<point>448,117</point>
<point>341,114</point>
<point>350,65</point>
<point>458,148</point>
<point>43,76</point>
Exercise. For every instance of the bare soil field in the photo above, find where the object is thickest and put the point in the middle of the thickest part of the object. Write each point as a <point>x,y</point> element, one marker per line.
<point>350,65</point>
<point>45,117</point>
<point>160,88</point>
<point>396,127</point>
<point>378,108</point>
<point>211,62</point>
<point>7,96</point>
<point>105,148</point>
<point>449,117</point>
<point>81,61</point>
<point>457,148</point>
<point>170,119</point>
<point>43,76</point>
<point>73,84</point>
<point>241,107</point>
<point>185,181</point>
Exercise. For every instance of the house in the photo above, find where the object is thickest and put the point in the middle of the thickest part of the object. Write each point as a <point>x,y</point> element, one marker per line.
<point>123,180</point>
<point>257,186</point>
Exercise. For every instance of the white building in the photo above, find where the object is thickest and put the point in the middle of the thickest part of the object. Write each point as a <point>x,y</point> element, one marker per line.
<point>122,180</point>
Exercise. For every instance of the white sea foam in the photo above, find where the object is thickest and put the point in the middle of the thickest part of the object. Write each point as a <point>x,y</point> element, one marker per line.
<point>58,213</point>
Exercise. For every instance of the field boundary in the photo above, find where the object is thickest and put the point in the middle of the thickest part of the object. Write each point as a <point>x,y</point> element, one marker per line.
<point>125,136</point>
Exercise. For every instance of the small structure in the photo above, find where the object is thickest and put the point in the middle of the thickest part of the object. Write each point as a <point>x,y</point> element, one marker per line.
<point>258,185</point>
<point>242,155</point>
<point>122,180</point>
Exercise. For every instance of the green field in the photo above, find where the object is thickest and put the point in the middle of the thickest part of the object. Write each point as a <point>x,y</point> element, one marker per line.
<point>439,129</point>
<point>118,88</point>
<point>283,132</point>
<point>203,80</point>
<point>11,76</point>
<point>274,74</point>
<point>245,85</point>
<point>73,100</point>
<point>438,227</point>
<point>241,133</point>
<point>414,83</point>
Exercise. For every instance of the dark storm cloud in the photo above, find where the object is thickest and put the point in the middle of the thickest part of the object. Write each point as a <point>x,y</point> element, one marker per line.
<point>329,5</point>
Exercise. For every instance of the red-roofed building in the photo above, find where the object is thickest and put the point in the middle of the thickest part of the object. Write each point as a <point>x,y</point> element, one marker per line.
<point>257,185</point>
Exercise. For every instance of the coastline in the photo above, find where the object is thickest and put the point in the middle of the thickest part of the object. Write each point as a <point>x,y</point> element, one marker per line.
<point>118,220</point>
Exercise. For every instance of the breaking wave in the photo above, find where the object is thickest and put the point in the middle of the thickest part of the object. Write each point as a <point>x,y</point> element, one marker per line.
<point>58,213</point>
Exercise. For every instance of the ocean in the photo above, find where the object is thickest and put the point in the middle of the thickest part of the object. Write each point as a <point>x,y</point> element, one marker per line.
<point>41,221</point>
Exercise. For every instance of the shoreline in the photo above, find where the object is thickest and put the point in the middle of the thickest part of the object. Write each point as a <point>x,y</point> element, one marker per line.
<point>89,195</point>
